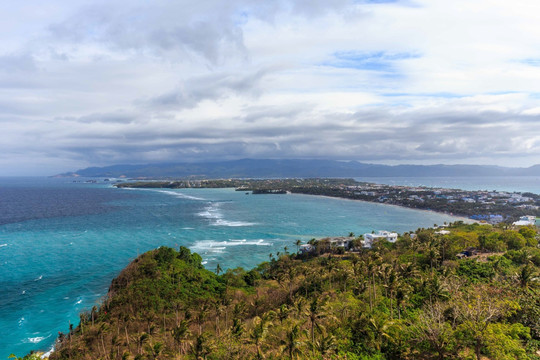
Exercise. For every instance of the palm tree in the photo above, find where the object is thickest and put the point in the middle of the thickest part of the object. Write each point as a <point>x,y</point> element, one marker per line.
<point>180,334</point>
<point>259,331</point>
<point>201,349</point>
<point>126,319</point>
<point>283,312</point>
<point>314,314</point>
<point>292,343</point>
<point>153,351</point>
<point>93,313</point>
<point>432,251</point>
<point>525,276</point>
<point>298,243</point>
<point>325,344</point>
<point>202,315</point>
<point>381,329</point>
<point>237,328</point>
<point>140,341</point>
<point>103,329</point>
<point>218,308</point>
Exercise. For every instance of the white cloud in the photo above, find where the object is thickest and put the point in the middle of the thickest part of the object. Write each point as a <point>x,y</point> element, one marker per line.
<point>425,81</point>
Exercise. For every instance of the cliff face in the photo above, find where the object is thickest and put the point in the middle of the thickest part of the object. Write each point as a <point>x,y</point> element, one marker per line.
<point>406,300</point>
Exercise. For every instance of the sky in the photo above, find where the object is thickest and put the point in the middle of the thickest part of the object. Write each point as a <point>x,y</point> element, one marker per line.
<point>95,83</point>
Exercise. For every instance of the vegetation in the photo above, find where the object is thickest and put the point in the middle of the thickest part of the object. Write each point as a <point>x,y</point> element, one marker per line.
<point>409,300</point>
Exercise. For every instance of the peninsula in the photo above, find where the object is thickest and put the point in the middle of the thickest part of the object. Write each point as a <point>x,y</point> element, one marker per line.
<point>483,205</point>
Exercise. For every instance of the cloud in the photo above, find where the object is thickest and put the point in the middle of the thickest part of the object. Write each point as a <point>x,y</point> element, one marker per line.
<point>209,87</point>
<point>378,81</point>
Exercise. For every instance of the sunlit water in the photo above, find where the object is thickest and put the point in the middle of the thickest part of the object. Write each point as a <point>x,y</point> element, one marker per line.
<point>61,243</point>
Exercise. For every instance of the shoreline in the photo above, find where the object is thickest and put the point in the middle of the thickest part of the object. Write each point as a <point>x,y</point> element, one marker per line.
<point>462,217</point>
<point>467,205</point>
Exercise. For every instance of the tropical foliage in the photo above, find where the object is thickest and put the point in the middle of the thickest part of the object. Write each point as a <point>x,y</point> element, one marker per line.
<point>410,300</point>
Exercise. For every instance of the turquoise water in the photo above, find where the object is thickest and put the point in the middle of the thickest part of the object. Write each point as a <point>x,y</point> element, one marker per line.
<point>499,183</point>
<point>61,242</point>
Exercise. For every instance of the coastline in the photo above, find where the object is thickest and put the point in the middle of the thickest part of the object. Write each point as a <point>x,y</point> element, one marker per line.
<point>461,217</point>
<point>492,206</point>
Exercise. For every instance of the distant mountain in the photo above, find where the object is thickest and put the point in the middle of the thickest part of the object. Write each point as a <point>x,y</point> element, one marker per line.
<point>266,168</point>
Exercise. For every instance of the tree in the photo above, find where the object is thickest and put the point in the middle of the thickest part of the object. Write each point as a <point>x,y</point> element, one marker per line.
<point>202,315</point>
<point>202,347</point>
<point>298,242</point>
<point>324,344</point>
<point>292,342</point>
<point>513,239</point>
<point>314,313</point>
<point>31,356</point>
<point>259,331</point>
<point>475,310</point>
<point>283,312</point>
<point>525,276</point>
<point>153,351</point>
<point>432,333</point>
<point>180,335</point>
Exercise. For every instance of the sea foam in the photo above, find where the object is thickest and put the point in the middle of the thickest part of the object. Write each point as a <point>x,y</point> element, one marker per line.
<point>180,195</point>
<point>37,339</point>
<point>213,212</point>
<point>213,247</point>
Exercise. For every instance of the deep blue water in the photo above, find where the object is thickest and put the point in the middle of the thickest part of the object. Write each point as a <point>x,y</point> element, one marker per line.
<point>61,243</point>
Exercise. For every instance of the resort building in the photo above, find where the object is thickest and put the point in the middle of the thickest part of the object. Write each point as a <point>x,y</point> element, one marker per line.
<point>370,239</point>
<point>525,220</point>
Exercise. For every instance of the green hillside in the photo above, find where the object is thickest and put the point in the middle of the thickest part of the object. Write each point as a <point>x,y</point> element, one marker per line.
<point>410,300</point>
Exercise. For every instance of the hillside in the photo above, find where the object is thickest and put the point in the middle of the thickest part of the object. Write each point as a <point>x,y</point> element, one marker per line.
<point>268,168</point>
<point>409,300</point>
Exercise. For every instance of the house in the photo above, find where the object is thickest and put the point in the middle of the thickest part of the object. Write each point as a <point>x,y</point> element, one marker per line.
<point>370,239</point>
<point>525,220</point>
<point>306,248</point>
<point>343,242</point>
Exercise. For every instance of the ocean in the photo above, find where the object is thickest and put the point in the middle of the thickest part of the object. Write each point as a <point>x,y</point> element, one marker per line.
<point>62,242</point>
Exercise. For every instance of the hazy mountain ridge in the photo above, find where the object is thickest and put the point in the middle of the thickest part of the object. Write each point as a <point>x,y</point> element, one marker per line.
<point>267,168</point>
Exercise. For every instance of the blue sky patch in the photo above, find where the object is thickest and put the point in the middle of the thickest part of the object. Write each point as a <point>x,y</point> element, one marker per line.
<point>374,61</point>
<point>531,62</point>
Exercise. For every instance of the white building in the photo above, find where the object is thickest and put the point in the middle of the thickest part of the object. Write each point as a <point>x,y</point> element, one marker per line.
<point>525,220</point>
<point>306,248</point>
<point>370,239</point>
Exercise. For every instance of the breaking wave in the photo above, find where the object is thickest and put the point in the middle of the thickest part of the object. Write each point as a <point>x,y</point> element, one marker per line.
<point>213,212</point>
<point>217,247</point>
